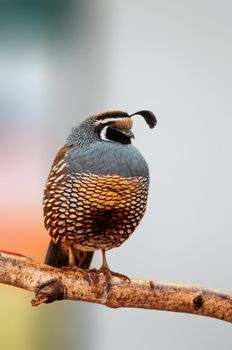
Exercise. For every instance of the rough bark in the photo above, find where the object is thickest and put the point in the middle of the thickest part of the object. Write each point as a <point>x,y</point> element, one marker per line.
<point>50,284</point>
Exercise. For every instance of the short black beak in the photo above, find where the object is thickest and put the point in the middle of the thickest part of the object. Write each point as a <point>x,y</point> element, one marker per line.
<point>128,133</point>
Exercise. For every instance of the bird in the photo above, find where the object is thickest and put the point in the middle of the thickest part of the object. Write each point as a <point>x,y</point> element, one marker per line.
<point>97,189</point>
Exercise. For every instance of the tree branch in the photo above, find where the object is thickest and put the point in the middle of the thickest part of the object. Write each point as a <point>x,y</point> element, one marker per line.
<point>51,284</point>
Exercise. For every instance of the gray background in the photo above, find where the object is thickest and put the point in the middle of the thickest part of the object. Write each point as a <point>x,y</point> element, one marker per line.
<point>174,58</point>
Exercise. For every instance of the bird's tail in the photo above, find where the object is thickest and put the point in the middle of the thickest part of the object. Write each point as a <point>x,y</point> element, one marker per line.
<point>57,258</point>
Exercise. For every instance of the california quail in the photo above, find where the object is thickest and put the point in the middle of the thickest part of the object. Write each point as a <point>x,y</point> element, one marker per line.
<point>96,192</point>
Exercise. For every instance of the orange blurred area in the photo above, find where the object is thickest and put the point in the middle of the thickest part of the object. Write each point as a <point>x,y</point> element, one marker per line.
<point>24,235</point>
<point>22,179</point>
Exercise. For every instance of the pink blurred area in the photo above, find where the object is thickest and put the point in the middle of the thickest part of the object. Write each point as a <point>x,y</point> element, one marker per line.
<point>24,120</point>
<point>47,85</point>
<point>21,184</point>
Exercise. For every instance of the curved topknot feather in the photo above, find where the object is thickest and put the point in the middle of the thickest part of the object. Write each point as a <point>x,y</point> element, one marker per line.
<point>148,116</point>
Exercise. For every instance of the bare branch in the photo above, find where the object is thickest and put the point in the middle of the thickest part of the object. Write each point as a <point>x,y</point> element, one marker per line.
<point>51,284</point>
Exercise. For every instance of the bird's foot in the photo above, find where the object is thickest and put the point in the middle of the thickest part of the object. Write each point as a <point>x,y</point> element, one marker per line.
<point>91,270</point>
<point>120,275</point>
<point>109,274</point>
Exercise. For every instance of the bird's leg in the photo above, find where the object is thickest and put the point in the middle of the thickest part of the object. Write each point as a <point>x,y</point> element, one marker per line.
<point>71,257</point>
<point>72,263</point>
<point>104,261</point>
<point>107,272</point>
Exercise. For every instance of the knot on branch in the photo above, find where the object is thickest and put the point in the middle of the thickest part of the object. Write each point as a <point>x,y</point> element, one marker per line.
<point>48,292</point>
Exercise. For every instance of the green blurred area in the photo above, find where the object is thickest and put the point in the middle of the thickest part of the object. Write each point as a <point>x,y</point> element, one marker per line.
<point>23,327</point>
<point>14,319</point>
<point>27,20</point>
<point>33,7</point>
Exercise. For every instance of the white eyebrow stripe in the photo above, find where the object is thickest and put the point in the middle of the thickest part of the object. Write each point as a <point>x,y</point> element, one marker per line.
<point>103,134</point>
<point>107,120</point>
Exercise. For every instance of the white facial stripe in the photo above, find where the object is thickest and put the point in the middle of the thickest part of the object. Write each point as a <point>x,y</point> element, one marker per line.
<point>107,120</point>
<point>103,134</point>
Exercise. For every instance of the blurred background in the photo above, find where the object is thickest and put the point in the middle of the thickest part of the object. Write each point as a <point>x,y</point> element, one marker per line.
<point>63,60</point>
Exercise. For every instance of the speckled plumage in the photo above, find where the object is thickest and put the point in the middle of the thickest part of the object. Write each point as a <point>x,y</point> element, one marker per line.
<point>94,212</point>
<point>96,192</point>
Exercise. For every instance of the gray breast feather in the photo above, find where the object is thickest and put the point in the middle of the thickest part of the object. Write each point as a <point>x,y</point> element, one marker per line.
<point>108,158</point>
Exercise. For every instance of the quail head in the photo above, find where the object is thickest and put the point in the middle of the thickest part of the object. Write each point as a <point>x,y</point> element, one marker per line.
<point>96,192</point>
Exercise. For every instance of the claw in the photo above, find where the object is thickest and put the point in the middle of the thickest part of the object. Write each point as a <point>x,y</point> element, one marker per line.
<point>120,275</point>
<point>105,270</point>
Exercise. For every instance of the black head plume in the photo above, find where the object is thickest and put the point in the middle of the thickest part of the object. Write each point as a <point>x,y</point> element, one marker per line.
<point>148,116</point>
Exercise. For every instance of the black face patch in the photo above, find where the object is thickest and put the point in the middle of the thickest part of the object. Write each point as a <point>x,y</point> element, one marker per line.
<point>113,134</point>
